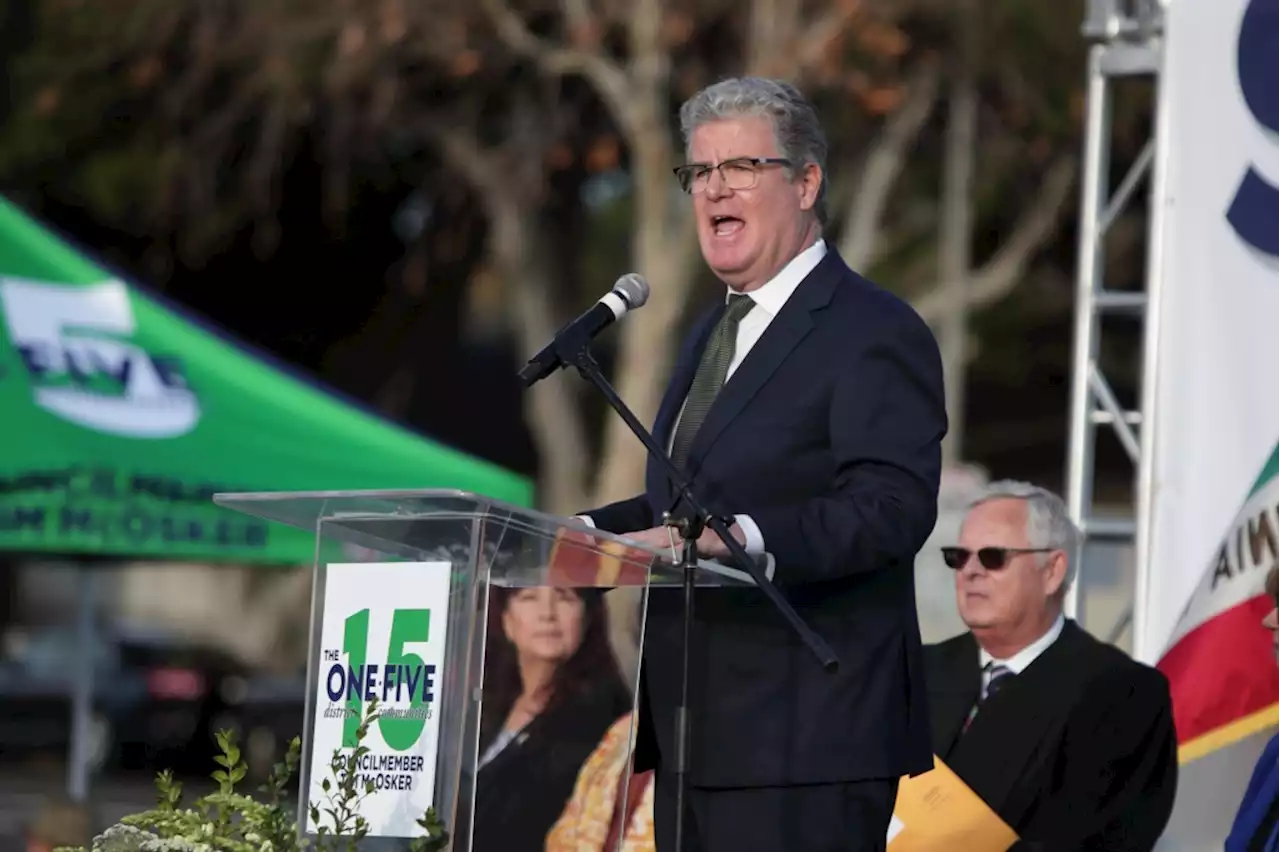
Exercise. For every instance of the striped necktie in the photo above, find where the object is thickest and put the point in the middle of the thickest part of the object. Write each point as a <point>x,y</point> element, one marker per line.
<point>712,370</point>
<point>998,674</point>
<point>997,678</point>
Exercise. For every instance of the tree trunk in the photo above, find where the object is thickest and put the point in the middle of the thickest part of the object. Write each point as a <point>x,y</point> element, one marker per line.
<point>649,337</point>
<point>551,410</point>
<point>661,251</point>
<point>860,238</point>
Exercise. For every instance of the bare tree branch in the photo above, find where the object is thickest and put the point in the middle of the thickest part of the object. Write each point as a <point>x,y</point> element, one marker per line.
<point>820,33</point>
<point>649,58</point>
<point>1001,274</point>
<point>605,74</point>
<point>860,238</point>
<point>771,29</point>
<point>477,164</point>
<point>779,44</point>
<point>512,30</point>
<point>553,416</point>
<point>584,28</point>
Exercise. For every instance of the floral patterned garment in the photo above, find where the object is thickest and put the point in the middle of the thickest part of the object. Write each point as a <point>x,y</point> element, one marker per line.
<point>595,804</point>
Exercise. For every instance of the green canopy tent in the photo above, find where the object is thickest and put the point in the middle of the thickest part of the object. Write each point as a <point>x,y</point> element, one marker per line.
<point>119,420</point>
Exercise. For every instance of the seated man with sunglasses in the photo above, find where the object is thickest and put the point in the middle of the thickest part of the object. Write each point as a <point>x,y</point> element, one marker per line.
<point>1069,740</point>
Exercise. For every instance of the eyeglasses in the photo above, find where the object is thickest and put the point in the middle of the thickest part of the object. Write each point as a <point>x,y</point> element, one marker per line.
<point>736,174</point>
<point>991,558</point>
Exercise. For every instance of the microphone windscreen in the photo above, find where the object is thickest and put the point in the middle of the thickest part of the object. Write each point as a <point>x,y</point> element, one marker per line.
<point>633,288</point>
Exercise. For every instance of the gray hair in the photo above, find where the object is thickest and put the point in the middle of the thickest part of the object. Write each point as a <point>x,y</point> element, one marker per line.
<point>1048,524</point>
<point>796,129</point>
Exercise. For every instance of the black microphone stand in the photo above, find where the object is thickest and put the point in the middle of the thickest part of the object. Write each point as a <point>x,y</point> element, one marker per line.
<point>571,349</point>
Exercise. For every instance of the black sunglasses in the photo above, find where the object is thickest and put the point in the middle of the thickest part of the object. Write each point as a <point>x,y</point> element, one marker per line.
<point>991,558</point>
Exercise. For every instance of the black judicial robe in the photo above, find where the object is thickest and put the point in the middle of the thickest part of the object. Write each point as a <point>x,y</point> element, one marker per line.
<point>1077,752</point>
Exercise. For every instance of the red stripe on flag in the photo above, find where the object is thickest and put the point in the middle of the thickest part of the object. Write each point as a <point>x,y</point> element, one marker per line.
<point>1222,671</point>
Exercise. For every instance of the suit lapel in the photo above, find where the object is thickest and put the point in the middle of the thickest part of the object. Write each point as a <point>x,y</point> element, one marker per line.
<point>1016,729</point>
<point>954,690</point>
<point>792,324</point>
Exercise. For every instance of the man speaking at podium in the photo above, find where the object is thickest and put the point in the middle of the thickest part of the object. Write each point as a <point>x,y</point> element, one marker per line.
<point>808,406</point>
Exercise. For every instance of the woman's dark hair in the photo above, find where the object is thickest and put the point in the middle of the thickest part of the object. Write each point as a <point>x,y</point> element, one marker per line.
<point>591,671</point>
<point>1273,583</point>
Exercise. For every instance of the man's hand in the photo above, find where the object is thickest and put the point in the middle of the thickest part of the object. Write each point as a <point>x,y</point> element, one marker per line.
<point>658,538</point>
<point>709,544</point>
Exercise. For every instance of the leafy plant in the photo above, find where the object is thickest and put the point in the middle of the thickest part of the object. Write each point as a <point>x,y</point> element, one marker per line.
<point>229,820</point>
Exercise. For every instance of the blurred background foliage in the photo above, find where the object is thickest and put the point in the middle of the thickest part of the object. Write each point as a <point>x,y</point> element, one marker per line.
<point>405,197</point>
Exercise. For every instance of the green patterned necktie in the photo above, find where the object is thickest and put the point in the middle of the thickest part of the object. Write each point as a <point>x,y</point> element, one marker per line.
<point>710,377</point>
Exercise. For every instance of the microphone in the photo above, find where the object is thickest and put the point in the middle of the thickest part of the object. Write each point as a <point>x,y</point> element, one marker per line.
<point>629,292</point>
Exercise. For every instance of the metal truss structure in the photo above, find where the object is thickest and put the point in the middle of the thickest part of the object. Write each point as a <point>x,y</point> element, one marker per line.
<point>1126,44</point>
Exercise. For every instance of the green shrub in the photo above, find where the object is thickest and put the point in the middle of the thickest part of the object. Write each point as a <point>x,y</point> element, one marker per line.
<point>231,821</point>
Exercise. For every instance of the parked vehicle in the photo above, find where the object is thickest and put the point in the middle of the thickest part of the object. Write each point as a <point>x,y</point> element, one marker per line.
<point>155,696</point>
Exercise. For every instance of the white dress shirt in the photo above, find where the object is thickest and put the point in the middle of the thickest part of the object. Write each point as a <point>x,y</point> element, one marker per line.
<point>769,300</point>
<point>1019,661</point>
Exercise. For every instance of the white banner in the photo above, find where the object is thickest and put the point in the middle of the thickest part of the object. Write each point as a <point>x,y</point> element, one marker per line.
<point>1210,517</point>
<point>383,637</point>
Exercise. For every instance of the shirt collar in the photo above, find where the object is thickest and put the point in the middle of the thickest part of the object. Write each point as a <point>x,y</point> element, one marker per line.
<point>1019,661</point>
<point>775,292</point>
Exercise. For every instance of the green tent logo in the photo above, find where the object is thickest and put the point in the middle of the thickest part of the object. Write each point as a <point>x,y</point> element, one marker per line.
<point>74,342</point>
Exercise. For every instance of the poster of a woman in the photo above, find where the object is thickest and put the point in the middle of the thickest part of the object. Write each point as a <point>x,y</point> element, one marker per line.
<point>551,691</point>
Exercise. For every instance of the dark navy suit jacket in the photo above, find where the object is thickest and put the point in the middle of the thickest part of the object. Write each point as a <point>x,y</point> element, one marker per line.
<point>829,436</point>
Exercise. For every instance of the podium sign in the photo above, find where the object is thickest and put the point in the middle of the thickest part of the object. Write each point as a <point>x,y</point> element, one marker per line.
<point>481,632</point>
<point>378,642</point>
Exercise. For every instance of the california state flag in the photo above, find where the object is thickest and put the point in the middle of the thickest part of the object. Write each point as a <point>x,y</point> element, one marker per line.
<point>1219,662</point>
<point>1222,674</point>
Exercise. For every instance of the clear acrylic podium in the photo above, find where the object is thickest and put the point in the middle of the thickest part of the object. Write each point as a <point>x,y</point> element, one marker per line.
<point>449,609</point>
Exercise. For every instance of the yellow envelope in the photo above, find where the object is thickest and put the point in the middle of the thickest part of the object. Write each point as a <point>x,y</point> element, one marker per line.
<point>937,812</point>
